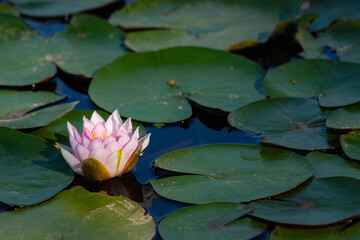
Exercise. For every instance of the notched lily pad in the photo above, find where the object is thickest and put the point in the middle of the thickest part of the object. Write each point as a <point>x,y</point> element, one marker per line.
<point>26,109</point>
<point>331,165</point>
<point>32,171</point>
<point>344,232</point>
<point>350,143</point>
<point>155,86</point>
<point>237,24</point>
<point>78,214</point>
<point>57,130</point>
<point>297,123</point>
<point>324,201</point>
<point>347,118</point>
<point>210,221</point>
<point>336,84</point>
<point>50,8</point>
<point>230,173</point>
<point>343,36</point>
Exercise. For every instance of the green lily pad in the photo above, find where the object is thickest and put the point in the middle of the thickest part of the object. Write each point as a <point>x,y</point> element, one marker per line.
<point>23,58</point>
<point>154,86</point>
<point>27,58</point>
<point>288,122</point>
<point>336,84</point>
<point>51,8</point>
<point>331,165</point>
<point>88,43</point>
<point>230,173</point>
<point>8,9</point>
<point>324,201</point>
<point>344,38</point>
<point>332,10</point>
<point>237,24</point>
<point>57,130</point>
<point>32,171</point>
<point>350,143</point>
<point>345,118</point>
<point>210,221</point>
<point>330,233</point>
<point>26,109</point>
<point>78,214</point>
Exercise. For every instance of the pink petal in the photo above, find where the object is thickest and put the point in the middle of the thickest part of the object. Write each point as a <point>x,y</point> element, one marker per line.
<point>71,160</point>
<point>113,162</point>
<point>113,146</point>
<point>126,128</point>
<point>96,118</point>
<point>88,134</point>
<point>81,152</point>
<point>133,143</point>
<point>73,142</point>
<point>96,143</point>
<point>88,124</point>
<point>85,142</point>
<point>113,123</point>
<point>73,132</point>
<point>110,124</point>
<point>109,139</point>
<point>117,118</point>
<point>99,131</point>
<point>126,160</point>
<point>145,141</point>
<point>128,124</point>
<point>123,140</point>
<point>100,154</point>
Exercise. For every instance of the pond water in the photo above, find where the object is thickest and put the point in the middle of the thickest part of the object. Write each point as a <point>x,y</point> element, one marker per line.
<point>203,128</point>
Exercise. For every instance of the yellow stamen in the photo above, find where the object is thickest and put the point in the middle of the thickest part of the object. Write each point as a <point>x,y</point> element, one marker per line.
<point>104,137</point>
<point>94,136</point>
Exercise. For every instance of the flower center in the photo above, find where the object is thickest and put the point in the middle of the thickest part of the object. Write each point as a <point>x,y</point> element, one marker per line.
<point>103,138</point>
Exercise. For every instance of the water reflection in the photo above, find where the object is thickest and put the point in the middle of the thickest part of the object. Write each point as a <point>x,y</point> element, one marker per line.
<point>73,95</point>
<point>126,186</point>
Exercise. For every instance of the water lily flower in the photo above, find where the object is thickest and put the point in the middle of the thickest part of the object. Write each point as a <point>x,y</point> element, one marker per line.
<point>105,149</point>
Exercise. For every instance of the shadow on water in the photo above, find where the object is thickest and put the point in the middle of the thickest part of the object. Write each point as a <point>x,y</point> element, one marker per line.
<point>276,51</point>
